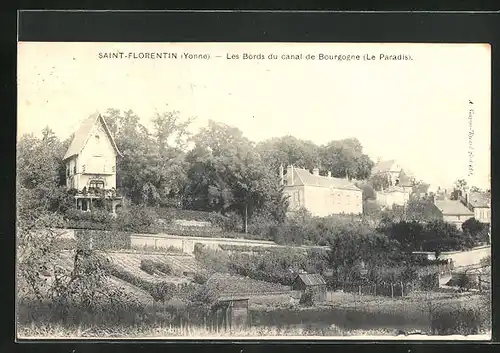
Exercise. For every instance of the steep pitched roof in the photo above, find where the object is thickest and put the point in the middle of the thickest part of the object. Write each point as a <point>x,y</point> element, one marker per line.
<point>404,179</point>
<point>479,199</point>
<point>453,207</point>
<point>82,135</point>
<point>311,279</point>
<point>383,166</point>
<point>229,286</point>
<point>387,166</point>
<point>304,177</point>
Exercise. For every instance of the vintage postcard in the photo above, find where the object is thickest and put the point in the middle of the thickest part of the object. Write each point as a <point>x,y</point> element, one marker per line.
<point>253,191</point>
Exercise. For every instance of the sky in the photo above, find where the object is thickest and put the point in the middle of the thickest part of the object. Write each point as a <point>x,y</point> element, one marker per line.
<point>430,113</point>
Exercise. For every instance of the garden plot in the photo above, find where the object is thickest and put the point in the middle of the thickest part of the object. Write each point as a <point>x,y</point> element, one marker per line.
<point>132,263</point>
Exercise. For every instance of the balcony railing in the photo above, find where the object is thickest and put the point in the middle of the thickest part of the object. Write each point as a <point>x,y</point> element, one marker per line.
<point>98,193</point>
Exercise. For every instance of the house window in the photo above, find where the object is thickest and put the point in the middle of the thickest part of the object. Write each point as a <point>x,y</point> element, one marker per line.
<point>98,184</point>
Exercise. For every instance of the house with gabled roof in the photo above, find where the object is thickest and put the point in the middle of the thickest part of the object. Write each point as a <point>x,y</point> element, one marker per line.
<point>453,211</point>
<point>91,164</point>
<point>394,171</point>
<point>480,204</point>
<point>320,195</point>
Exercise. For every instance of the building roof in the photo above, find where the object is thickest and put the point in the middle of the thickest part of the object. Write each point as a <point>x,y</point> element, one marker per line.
<point>383,166</point>
<point>304,177</point>
<point>404,179</point>
<point>82,135</point>
<point>479,199</point>
<point>453,207</point>
<point>389,166</point>
<point>311,279</point>
<point>230,287</point>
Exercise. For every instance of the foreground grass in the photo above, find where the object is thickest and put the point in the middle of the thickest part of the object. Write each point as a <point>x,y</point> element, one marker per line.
<point>50,331</point>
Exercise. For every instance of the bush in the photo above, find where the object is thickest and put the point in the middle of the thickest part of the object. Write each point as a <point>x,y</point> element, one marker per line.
<point>163,268</point>
<point>136,219</point>
<point>200,278</point>
<point>458,321</point>
<point>160,291</point>
<point>154,267</point>
<point>307,298</point>
<point>148,266</point>
<point>230,222</point>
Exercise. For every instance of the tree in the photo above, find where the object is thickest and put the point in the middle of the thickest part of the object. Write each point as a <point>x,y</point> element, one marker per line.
<point>227,172</point>
<point>345,158</point>
<point>153,166</point>
<point>289,150</point>
<point>474,189</point>
<point>380,182</point>
<point>477,231</point>
<point>441,236</point>
<point>460,188</point>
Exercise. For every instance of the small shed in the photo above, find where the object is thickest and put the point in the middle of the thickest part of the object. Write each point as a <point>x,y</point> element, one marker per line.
<point>233,294</point>
<point>231,312</point>
<point>313,282</point>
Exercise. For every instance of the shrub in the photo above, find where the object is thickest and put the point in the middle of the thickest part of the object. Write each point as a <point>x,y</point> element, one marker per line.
<point>153,267</point>
<point>307,298</point>
<point>229,222</point>
<point>163,268</point>
<point>457,321</point>
<point>136,219</point>
<point>465,282</point>
<point>148,266</point>
<point>200,278</point>
<point>160,291</point>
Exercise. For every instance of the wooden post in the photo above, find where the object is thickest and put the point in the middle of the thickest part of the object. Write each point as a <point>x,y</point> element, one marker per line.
<point>392,290</point>
<point>359,290</point>
<point>402,292</point>
<point>246,218</point>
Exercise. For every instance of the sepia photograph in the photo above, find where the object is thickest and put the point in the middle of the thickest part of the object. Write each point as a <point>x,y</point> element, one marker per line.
<point>253,191</point>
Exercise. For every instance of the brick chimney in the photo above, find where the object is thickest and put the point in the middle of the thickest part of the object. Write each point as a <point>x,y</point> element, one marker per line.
<point>289,175</point>
<point>316,171</point>
<point>282,178</point>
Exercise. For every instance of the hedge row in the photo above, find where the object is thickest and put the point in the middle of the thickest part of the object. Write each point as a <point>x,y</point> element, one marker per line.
<point>160,291</point>
<point>154,267</point>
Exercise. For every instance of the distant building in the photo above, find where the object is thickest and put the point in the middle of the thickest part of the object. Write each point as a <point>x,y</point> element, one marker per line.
<point>91,165</point>
<point>311,282</point>
<point>393,171</point>
<point>320,195</point>
<point>480,204</point>
<point>421,189</point>
<point>394,195</point>
<point>453,211</point>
